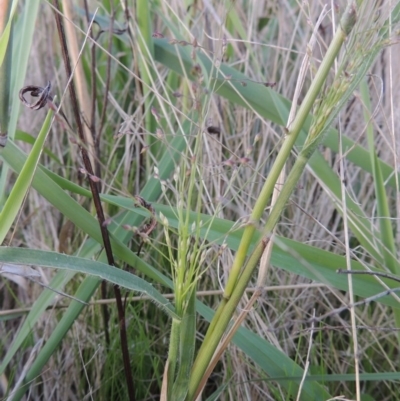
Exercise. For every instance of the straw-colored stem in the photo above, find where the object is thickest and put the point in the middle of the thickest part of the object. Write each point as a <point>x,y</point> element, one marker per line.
<point>79,77</point>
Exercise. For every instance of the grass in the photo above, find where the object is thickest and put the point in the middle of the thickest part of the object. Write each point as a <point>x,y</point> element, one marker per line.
<point>307,198</point>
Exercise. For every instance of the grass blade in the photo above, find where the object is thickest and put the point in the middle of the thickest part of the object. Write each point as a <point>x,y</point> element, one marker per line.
<point>22,185</point>
<point>23,256</point>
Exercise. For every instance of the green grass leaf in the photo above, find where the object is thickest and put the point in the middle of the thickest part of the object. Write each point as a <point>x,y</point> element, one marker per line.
<point>22,185</point>
<point>23,256</point>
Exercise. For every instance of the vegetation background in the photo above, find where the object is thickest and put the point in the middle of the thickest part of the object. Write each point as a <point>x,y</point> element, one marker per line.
<point>138,96</point>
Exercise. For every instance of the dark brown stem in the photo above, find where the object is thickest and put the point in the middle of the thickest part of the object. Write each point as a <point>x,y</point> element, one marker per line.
<point>92,127</point>
<point>97,203</point>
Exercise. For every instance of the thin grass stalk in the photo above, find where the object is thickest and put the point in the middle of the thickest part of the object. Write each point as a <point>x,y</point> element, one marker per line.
<point>108,76</point>
<point>347,23</point>
<point>146,48</point>
<point>346,230</point>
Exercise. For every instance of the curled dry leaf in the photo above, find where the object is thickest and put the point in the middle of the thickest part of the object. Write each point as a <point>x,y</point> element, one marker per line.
<point>43,95</point>
<point>44,98</point>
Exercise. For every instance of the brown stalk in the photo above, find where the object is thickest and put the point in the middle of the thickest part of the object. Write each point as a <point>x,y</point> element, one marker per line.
<point>96,158</point>
<point>96,198</point>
